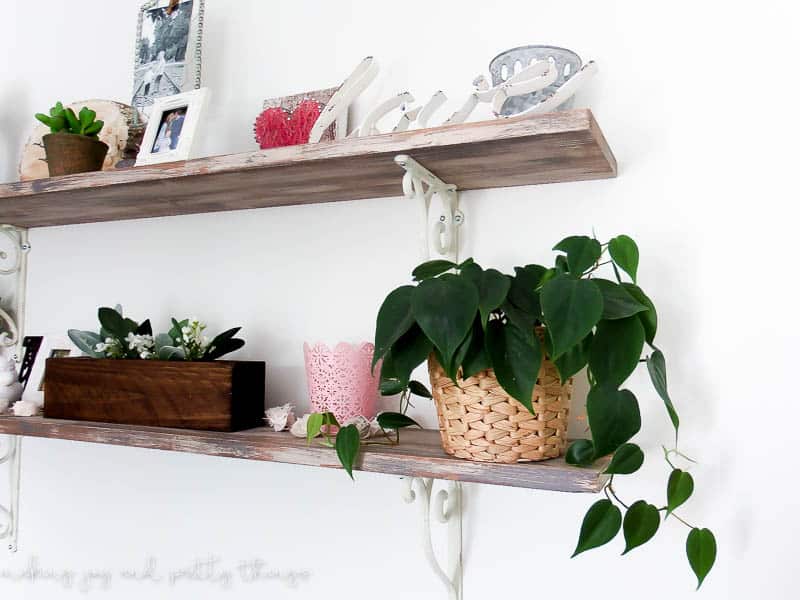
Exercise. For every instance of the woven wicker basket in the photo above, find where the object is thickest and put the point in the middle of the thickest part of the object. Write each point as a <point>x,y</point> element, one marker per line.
<point>479,421</point>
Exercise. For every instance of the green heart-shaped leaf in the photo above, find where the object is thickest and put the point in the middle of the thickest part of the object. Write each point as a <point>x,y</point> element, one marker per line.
<point>329,419</point>
<point>625,254</point>
<point>649,318</point>
<point>574,359</point>
<point>461,353</point>
<point>390,420</point>
<point>432,268</point>
<point>523,293</point>
<point>348,442</point>
<point>418,389</point>
<point>445,309</point>
<point>408,352</point>
<point>516,359</point>
<point>313,426</point>
<point>600,525</point>
<point>571,307</point>
<point>657,368</point>
<point>113,322</point>
<point>617,302</point>
<point>701,550</point>
<point>640,524</point>
<point>523,320</point>
<point>394,319</point>
<point>476,359</point>
<point>582,252</point>
<point>492,292</point>
<point>627,459</point>
<point>389,386</point>
<point>580,453</point>
<point>616,350</point>
<point>613,416</point>
<point>679,489</point>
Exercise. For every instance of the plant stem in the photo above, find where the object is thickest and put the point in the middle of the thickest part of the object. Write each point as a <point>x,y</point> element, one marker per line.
<point>610,489</point>
<point>689,525</point>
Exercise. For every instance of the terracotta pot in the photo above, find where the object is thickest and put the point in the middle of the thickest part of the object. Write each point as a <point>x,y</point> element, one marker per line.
<point>68,153</point>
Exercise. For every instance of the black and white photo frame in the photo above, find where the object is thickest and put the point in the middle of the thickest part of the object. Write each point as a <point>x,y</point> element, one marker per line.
<point>172,127</point>
<point>52,346</point>
<point>169,43</point>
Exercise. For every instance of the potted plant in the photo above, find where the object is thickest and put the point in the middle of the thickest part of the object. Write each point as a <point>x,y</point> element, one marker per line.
<point>171,380</point>
<point>72,146</point>
<point>501,351</point>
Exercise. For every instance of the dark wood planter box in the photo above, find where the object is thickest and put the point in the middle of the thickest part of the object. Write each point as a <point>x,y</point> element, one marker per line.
<point>213,396</point>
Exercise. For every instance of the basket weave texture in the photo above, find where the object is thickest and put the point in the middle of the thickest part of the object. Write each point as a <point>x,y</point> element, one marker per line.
<point>479,420</point>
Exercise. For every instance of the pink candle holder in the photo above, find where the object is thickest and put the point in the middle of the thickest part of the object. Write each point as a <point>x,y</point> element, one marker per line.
<point>341,380</point>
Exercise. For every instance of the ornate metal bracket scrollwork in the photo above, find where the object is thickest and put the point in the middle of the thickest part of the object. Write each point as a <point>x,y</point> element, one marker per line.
<point>14,248</point>
<point>9,517</point>
<point>446,509</point>
<point>439,227</point>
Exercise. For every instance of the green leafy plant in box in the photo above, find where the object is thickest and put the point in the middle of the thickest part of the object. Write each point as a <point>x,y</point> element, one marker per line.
<point>473,319</point>
<point>121,337</point>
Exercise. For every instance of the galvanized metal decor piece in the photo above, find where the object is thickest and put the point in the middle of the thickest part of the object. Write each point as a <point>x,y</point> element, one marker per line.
<point>508,63</point>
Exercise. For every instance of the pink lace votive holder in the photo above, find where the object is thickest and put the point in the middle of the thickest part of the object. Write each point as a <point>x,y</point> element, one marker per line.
<point>341,380</point>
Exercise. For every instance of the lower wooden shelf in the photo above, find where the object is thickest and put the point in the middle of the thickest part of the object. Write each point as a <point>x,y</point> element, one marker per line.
<point>419,454</point>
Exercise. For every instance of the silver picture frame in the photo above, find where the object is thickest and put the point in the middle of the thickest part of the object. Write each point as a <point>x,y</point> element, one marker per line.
<point>169,51</point>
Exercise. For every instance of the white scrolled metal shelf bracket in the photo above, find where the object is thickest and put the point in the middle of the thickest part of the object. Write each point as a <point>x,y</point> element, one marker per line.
<point>16,264</point>
<point>13,262</point>
<point>447,508</point>
<point>439,237</point>
<point>9,517</point>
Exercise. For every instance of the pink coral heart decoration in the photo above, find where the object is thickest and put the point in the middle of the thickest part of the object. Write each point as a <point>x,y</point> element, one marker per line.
<point>276,127</point>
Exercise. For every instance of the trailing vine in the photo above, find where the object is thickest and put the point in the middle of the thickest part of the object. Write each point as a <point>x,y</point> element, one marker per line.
<point>473,319</point>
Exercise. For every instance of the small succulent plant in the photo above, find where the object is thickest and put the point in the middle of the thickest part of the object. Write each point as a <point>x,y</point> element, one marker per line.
<point>64,120</point>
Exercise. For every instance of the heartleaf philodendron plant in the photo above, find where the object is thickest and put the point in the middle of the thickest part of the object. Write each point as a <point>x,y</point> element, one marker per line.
<point>473,319</point>
<point>64,120</point>
<point>121,337</point>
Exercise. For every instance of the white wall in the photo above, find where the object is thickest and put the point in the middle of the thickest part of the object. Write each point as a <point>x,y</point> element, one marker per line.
<point>694,101</point>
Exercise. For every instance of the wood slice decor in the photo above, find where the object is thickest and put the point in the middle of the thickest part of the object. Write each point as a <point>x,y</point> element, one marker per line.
<point>211,396</point>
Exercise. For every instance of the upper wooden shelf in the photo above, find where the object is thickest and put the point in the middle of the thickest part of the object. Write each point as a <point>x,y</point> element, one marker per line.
<point>548,148</point>
<point>419,453</point>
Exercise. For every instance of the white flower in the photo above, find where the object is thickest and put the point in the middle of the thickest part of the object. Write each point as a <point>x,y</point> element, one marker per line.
<point>100,347</point>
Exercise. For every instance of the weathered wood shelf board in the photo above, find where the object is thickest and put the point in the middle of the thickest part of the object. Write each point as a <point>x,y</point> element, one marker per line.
<point>418,455</point>
<point>548,148</point>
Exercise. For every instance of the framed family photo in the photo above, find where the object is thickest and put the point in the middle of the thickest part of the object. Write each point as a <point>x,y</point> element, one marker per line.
<point>168,50</point>
<point>170,131</point>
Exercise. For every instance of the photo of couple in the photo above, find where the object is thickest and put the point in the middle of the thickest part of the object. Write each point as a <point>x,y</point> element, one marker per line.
<point>169,130</point>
